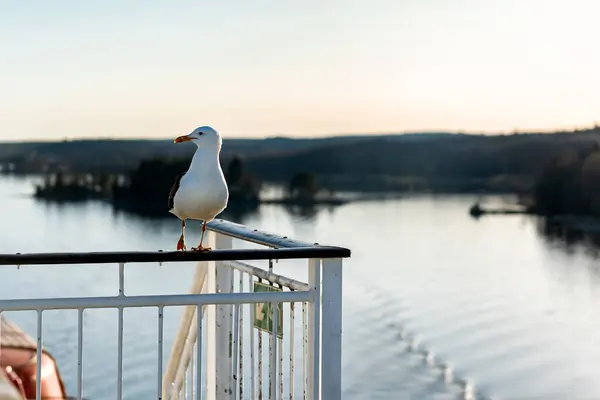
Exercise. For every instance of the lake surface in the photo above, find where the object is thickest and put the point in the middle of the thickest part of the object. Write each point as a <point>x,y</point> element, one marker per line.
<point>512,312</point>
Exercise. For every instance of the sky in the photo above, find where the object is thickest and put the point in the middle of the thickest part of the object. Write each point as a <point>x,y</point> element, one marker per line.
<point>258,68</point>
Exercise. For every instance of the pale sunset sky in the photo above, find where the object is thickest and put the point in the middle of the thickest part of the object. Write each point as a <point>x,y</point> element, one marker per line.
<point>258,68</point>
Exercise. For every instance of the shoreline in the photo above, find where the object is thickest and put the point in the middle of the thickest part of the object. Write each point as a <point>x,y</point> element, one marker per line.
<point>581,223</point>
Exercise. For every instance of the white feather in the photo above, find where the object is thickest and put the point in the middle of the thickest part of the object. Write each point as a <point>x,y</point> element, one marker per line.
<point>202,192</point>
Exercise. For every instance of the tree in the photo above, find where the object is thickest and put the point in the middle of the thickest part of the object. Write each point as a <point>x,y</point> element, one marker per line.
<point>235,170</point>
<point>568,185</point>
<point>303,186</point>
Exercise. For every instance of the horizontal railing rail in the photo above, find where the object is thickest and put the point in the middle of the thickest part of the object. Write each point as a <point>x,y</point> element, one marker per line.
<point>256,236</point>
<point>282,248</point>
<point>73,303</point>
<point>172,256</point>
<point>268,276</point>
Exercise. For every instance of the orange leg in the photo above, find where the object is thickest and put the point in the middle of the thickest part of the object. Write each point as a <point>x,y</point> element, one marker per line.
<point>200,247</point>
<point>181,242</point>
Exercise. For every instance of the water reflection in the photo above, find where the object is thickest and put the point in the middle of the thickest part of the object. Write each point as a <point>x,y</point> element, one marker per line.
<point>302,212</point>
<point>239,213</point>
<point>141,211</point>
<point>235,212</point>
<point>569,237</point>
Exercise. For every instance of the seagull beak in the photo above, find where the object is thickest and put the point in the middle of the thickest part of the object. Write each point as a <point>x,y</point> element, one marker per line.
<point>180,139</point>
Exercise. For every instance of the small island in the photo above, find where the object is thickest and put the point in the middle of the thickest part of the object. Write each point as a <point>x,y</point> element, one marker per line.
<point>145,189</point>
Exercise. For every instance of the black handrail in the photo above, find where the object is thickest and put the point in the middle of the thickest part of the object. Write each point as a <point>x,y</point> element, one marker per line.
<point>173,256</point>
<point>281,248</point>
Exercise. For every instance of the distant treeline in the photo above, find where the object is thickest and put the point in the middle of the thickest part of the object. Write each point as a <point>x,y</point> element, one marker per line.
<point>149,185</point>
<point>417,162</point>
<point>145,189</point>
<point>570,184</point>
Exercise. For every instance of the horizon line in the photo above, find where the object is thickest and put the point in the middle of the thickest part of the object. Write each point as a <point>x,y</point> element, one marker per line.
<point>322,137</point>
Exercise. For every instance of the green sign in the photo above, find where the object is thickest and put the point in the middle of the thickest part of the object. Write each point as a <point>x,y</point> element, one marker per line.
<point>263,312</point>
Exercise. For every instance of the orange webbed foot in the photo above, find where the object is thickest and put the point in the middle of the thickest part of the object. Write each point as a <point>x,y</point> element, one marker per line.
<point>181,244</point>
<point>201,248</point>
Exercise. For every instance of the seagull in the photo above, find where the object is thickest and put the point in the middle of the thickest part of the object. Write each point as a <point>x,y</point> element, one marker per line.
<point>201,192</point>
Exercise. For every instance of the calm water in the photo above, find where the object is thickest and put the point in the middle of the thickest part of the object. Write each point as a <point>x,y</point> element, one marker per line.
<point>513,313</point>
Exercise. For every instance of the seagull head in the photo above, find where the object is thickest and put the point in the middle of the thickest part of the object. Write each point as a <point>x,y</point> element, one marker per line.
<point>203,137</point>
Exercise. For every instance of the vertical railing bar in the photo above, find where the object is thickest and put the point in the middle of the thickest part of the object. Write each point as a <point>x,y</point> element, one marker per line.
<point>292,329</point>
<point>120,333</point>
<point>121,279</point>
<point>280,373</point>
<point>233,338</point>
<point>314,333</point>
<point>79,353</point>
<point>192,368</point>
<point>235,344</point>
<point>236,348</point>
<point>120,357</point>
<point>222,325</point>
<point>260,364</point>
<point>199,352</point>
<point>251,325</point>
<point>272,344</point>
<point>273,353</point>
<point>160,350</point>
<point>331,329</point>
<point>305,352</point>
<point>211,356</point>
<point>272,350</point>
<point>38,357</point>
<point>241,341</point>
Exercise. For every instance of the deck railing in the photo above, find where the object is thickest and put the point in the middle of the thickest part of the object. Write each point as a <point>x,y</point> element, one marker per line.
<point>232,310</point>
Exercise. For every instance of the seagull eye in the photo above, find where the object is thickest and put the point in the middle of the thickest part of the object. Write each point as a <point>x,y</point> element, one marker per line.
<point>200,133</point>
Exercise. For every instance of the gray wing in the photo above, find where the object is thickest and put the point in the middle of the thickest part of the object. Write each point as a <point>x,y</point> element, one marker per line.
<point>174,190</point>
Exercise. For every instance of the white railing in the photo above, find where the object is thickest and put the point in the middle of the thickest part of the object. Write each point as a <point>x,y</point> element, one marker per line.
<point>220,349</point>
<point>250,370</point>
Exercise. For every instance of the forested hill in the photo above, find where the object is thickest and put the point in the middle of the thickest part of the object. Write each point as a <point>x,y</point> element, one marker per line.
<point>434,156</point>
<point>119,154</point>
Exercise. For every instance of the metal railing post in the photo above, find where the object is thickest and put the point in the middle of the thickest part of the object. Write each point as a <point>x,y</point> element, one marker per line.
<point>224,278</point>
<point>312,363</point>
<point>211,355</point>
<point>220,324</point>
<point>331,328</point>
